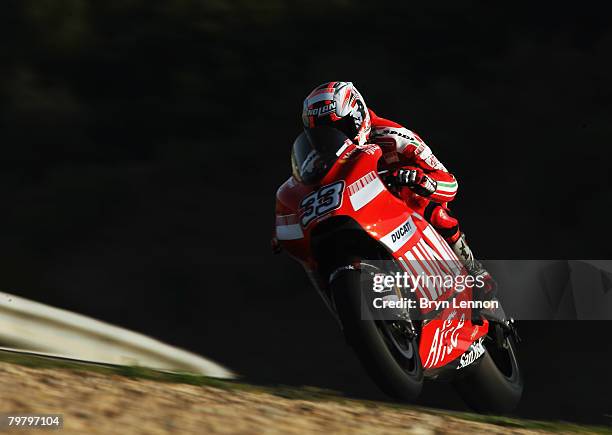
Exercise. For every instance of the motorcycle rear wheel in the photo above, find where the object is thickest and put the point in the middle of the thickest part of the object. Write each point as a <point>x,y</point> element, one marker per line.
<point>390,359</point>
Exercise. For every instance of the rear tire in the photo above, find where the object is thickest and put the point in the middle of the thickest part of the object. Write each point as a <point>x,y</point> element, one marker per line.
<point>397,371</point>
<point>495,384</point>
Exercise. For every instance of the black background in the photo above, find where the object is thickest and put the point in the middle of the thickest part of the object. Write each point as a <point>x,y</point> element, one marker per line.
<point>143,141</point>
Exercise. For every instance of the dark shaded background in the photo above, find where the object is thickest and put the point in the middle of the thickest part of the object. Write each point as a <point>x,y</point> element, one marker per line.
<point>142,143</point>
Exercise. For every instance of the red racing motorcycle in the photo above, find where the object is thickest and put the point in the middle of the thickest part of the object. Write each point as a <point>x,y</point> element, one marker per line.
<point>343,220</point>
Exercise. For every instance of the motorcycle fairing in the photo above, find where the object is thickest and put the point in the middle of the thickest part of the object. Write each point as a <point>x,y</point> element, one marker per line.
<point>353,188</point>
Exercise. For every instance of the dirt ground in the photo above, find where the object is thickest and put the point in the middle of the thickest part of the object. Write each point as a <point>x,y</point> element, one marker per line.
<point>98,403</point>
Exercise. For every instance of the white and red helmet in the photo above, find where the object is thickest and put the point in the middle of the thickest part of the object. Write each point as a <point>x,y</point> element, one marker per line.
<point>338,105</point>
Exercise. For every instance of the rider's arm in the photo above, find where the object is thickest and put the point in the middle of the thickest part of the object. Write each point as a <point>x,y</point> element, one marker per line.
<point>421,156</point>
<point>446,188</point>
<point>404,147</point>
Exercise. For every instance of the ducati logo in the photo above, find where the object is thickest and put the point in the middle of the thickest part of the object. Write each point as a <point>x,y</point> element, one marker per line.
<point>400,235</point>
<point>402,231</point>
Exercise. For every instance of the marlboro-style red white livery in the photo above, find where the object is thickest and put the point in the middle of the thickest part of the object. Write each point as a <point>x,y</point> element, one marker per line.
<point>340,216</point>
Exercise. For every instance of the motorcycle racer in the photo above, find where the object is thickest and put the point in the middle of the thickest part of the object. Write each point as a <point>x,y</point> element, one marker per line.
<point>422,179</point>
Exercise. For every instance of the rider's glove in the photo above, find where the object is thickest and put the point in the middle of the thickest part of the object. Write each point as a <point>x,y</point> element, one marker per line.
<point>416,180</point>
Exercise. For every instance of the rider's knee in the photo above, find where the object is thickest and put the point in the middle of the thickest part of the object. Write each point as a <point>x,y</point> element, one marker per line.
<point>443,221</point>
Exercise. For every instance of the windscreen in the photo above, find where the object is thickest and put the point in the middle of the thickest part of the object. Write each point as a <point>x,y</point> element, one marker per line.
<point>314,153</point>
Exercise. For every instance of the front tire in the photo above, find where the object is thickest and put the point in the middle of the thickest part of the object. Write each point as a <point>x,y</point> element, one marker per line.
<point>393,363</point>
<point>495,385</point>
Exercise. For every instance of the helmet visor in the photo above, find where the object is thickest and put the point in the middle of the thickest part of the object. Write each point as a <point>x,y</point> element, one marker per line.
<point>346,125</point>
<point>314,153</point>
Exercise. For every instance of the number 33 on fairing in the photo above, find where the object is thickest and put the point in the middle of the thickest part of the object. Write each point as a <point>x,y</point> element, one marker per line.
<point>321,202</point>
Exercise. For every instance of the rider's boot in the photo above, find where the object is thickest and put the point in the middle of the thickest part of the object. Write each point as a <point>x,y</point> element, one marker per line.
<point>485,286</point>
<point>484,280</point>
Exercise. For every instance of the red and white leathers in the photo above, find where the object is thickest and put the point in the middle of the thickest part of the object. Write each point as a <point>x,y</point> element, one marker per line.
<point>404,148</point>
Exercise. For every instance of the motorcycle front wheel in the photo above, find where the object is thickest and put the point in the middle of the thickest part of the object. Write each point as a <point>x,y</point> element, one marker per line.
<point>388,353</point>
